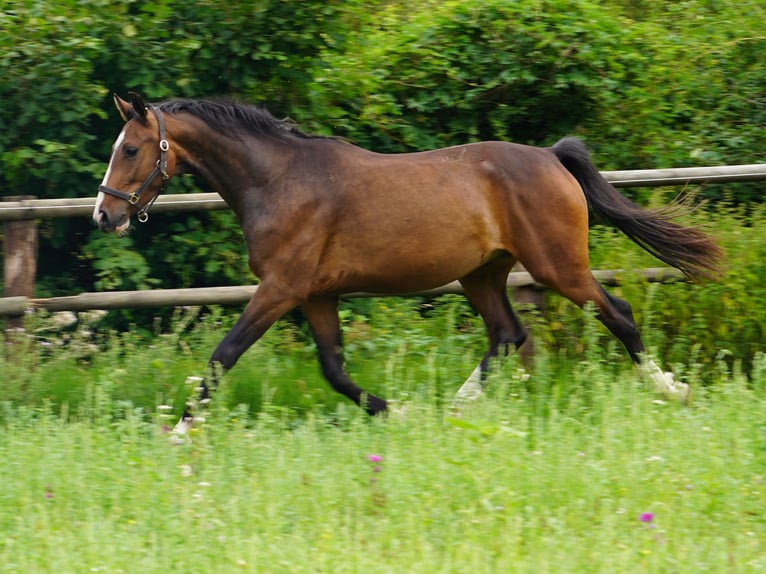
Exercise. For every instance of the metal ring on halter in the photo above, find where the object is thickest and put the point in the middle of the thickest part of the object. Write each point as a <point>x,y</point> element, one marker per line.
<point>143,214</point>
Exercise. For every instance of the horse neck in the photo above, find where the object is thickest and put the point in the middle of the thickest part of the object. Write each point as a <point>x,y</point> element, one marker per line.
<point>231,167</point>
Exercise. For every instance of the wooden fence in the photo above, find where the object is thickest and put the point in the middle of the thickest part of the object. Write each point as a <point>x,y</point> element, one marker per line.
<point>16,306</point>
<point>20,247</point>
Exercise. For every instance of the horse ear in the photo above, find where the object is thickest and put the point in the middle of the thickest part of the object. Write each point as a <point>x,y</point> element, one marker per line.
<point>123,107</point>
<point>139,107</point>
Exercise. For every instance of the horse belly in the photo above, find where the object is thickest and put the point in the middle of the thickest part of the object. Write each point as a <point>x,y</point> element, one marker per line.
<point>406,262</point>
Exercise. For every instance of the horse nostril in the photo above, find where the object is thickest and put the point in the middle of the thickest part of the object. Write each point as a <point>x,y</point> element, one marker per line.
<point>103,220</point>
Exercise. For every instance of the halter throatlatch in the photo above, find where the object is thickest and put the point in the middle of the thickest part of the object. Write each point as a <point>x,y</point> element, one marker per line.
<point>161,169</point>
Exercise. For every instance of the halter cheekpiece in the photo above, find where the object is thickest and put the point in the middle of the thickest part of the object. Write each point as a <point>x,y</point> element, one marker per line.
<point>161,169</point>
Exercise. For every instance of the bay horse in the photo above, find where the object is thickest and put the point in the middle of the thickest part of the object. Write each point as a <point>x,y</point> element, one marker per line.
<point>322,217</point>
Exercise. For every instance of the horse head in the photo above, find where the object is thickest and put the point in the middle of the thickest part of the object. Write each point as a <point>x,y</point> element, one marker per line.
<point>139,168</point>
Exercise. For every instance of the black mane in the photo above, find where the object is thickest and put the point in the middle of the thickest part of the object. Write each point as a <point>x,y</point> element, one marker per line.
<point>235,119</point>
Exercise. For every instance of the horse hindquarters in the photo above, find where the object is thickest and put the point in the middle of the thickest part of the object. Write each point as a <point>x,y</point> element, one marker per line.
<point>549,234</point>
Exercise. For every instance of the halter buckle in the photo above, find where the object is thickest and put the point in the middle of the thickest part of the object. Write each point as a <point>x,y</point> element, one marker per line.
<point>162,168</point>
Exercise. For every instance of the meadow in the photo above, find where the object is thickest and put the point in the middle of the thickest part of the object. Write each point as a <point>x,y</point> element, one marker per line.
<point>569,463</point>
<point>599,476</point>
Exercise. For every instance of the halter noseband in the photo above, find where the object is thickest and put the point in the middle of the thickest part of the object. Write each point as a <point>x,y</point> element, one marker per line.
<point>161,169</point>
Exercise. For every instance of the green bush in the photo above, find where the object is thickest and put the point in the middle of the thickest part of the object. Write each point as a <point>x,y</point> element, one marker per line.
<point>647,84</point>
<point>454,72</point>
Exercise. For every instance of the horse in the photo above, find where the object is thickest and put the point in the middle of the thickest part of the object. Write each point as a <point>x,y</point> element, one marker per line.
<point>322,217</point>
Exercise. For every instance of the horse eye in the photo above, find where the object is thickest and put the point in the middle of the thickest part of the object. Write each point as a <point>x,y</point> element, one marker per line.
<point>130,151</point>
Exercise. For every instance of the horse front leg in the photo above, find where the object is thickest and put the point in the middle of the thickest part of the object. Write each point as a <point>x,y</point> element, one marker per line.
<point>322,316</point>
<point>266,306</point>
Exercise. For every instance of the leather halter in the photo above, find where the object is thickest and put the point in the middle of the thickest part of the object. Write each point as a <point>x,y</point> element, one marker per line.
<point>161,169</point>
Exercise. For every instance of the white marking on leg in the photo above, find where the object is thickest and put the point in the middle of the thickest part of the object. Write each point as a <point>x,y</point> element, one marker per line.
<point>472,389</point>
<point>183,426</point>
<point>664,382</point>
<point>186,423</point>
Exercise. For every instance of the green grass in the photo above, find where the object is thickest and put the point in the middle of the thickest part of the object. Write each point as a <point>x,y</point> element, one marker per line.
<point>541,475</point>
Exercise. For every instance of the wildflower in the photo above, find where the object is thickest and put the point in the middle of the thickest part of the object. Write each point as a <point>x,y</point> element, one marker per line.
<point>375,459</point>
<point>63,319</point>
<point>646,517</point>
<point>49,492</point>
<point>192,380</point>
<point>93,316</point>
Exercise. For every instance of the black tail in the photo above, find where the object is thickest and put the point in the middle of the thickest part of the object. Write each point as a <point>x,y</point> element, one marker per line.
<point>684,248</point>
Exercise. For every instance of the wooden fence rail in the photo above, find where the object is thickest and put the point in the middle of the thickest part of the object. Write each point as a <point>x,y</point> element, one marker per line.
<point>240,294</point>
<point>24,209</point>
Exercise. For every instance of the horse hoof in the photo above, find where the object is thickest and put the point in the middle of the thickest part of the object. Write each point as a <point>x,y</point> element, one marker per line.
<point>180,432</point>
<point>375,405</point>
<point>469,392</point>
<point>679,391</point>
<point>666,385</point>
<point>398,409</point>
<point>177,440</point>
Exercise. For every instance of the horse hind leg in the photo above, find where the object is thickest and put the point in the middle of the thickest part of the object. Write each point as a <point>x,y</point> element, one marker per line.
<point>616,314</point>
<point>485,289</point>
<point>624,327</point>
<point>553,246</point>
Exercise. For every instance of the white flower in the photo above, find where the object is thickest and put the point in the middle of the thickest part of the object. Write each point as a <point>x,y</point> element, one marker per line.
<point>63,319</point>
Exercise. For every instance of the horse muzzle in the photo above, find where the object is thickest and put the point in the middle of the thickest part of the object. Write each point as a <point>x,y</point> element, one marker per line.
<point>111,222</point>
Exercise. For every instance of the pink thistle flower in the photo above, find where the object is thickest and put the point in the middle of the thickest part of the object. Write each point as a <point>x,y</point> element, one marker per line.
<point>374,458</point>
<point>646,517</point>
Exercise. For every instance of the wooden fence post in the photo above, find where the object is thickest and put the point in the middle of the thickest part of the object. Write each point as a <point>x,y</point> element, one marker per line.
<point>20,242</point>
